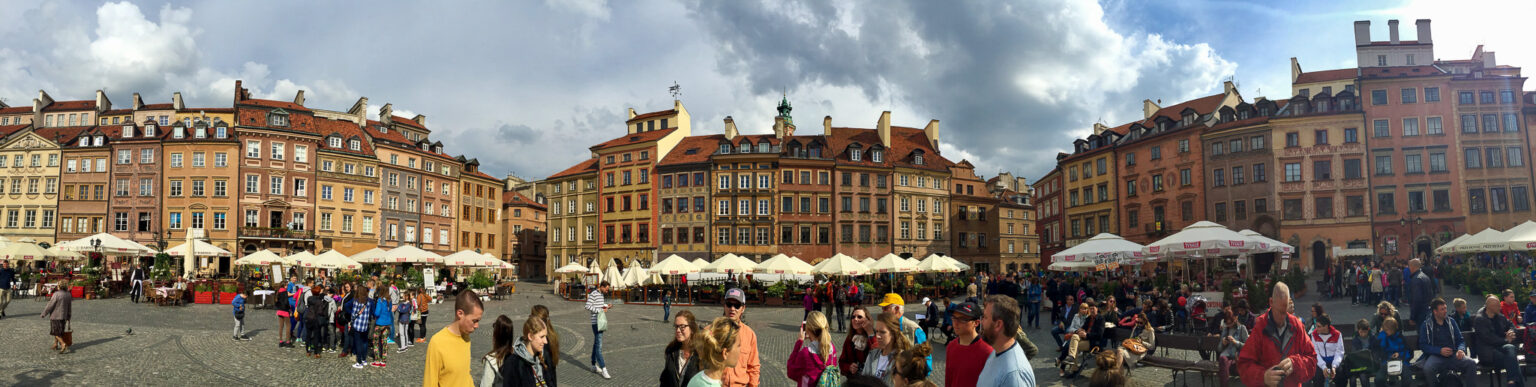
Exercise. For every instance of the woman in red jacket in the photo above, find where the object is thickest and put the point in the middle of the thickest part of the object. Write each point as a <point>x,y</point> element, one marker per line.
<point>1278,351</point>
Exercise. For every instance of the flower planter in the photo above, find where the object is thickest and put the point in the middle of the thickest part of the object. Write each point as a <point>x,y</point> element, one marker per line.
<point>203,297</point>
<point>775,301</point>
<point>77,291</point>
<point>226,298</point>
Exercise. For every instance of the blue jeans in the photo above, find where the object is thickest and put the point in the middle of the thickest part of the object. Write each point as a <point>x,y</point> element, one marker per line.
<point>666,312</point>
<point>1056,333</point>
<point>359,344</point>
<point>597,348</point>
<point>1435,365</point>
<point>1034,314</point>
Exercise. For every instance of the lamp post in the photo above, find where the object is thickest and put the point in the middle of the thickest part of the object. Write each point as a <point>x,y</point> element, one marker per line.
<point>1412,239</point>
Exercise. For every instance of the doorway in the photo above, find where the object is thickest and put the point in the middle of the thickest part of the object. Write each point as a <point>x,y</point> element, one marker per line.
<point>1422,249</point>
<point>1319,256</point>
<point>275,219</point>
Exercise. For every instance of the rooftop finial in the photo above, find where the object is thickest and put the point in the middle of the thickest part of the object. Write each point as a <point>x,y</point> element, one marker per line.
<point>675,90</point>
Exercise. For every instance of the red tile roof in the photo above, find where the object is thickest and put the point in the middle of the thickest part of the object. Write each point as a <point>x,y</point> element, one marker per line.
<point>258,118</point>
<point>839,139</point>
<point>210,110</point>
<point>906,140</point>
<point>1202,105</point>
<point>1326,75</point>
<point>586,166</point>
<point>1399,43</point>
<point>755,138</point>
<point>482,175</point>
<point>515,198</point>
<point>70,105</point>
<point>7,130</point>
<point>652,115</point>
<point>62,134</point>
<point>16,110</point>
<point>1399,72</point>
<point>692,149</point>
<point>392,136</point>
<point>158,106</point>
<point>405,121</point>
<point>347,130</point>
<point>275,104</point>
<point>635,138</point>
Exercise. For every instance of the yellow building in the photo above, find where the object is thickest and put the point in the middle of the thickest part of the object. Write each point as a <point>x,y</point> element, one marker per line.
<point>627,196</point>
<point>920,195</point>
<point>29,166</point>
<point>572,218</point>
<point>348,173</point>
<point>201,174</point>
<point>479,211</point>
<point>1089,184</point>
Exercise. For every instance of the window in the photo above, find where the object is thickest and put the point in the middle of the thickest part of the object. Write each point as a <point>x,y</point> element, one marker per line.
<point>1464,98</point>
<point>1379,97</point>
<point>1184,178</point>
<point>1432,126</point>
<point>1187,210</point>
<point>1157,186</point>
<point>1323,206</point>
<point>1514,157</point>
<point>1385,203</point>
<point>1431,94</point>
<point>1292,140</point>
<point>1218,178</point>
<point>1469,123</point>
<point>146,187</point>
<point>1495,157</point>
<point>1292,172</point>
<point>1291,209</point>
<point>275,185</point>
<point>1410,126</point>
<point>1256,142</point>
<point>1413,163</point>
<point>1381,128</point>
<point>1354,205</point>
<point>1511,122</point>
<point>1498,200</point>
<point>1474,158</point>
<point>1518,197</point>
<point>1183,146</point>
<point>1217,148</point>
<point>1476,201</point>
<point>1410,95</point>
<point>1384,165</point>
<point>1490,123</point>
<point>1157,153</point>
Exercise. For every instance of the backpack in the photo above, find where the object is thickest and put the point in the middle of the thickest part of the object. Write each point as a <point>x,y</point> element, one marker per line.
<point>315,310</point>
<point>830,376</point>
<point>281,300</point>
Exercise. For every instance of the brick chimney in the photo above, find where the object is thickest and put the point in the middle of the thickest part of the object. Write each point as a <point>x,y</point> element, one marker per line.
<point>730,128</point>
<point>932,130</point>
<point>176,101</point>
<point>1148,108</point>
<point>826,126</point>
<point>1392,31</point>
<point>1362,32</point>
<point>883,126</point>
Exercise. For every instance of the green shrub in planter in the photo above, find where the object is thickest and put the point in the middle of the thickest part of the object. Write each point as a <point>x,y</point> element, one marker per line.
<point>481,280</point>
<point>227,288</point>
<point>203,287</point>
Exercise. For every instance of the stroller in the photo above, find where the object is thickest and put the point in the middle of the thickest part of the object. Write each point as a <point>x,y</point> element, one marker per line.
<point>1197,311</point>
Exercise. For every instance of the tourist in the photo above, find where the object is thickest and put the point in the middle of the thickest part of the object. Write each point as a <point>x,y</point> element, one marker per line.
<point>332,332</point>
<point>889,343</point>
<point>423,305</point>
<point>1007,366</point>
<point>839,302</point>
<point>1420,290</point>
<point>1261,361</point>
<point>1460,314</point>
<point>403,312</point>
<point>280,302</point>
<point>395,302</point>
<point>1384,311</point>
<point>136,282</point>
<point>857,343</point>
<point>1110,372</point>
<point>1392,346</point>
<point>1032,298</point>
<point>1233,334</point>
<point>299,316</point>
<point>384,317</point>
<point>716,350</point>
<point>931,319</point>
<point>551,345</point>
<point>967,352</point>
<point>912,368</point>
<point>1378,282</point>
<point>1311,321</point>
<point>344,319</point>
<point>1509,307</point>
<point>525,368</point>
<point>1067,320</point>
<point>682,363</point>
<point>596,306</point>
<point>1493,348</point>
<point>448,357</point>
<point>1146,340</point>
<point>808,303</point>
<point>893,304</point>
<point>238,306</point>
<point>316,321</point>
<point>7,276</point>
<point>813,351</point>
<point>1528,314</point>
<point>361,321</point>
<point>747,370</point>
<point>59,312</point>
<point>1443,346</point>
<point>1329,345</point>
<point>666,304</point>
<point>1091,331</point>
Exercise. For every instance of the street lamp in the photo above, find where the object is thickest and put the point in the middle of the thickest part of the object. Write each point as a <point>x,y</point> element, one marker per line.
<point>1412,238</point>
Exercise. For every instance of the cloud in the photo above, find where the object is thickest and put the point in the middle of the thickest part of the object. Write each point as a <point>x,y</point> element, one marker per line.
<point>596,9</point>
<point>991,71</point>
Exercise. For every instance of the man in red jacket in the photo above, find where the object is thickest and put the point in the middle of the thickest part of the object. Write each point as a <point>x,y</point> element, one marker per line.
<point>1278,352</point>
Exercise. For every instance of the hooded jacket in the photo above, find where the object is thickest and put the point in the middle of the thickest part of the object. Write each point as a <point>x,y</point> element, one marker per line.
<point>1430,342</point>
<point>521,369</point>
<point>1330,350</point>
<point>670,376</point>
<point>382,314</point>
<point>1263,351</point>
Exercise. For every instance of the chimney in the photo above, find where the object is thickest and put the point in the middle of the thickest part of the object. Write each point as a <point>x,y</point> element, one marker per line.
<point>1099,128</point>
<point>1488,61</point>
<point>631,113</point>
<point>102,103</point>
<point>1228,87</point>
<point>176,101</point>
<point>1392,31</point>
<point>359,111</point>
<point>299,98</point>
<point>421,119</point>
<point>1423,25</point>
<point>387,113</point>
<point>884,128</point>
<point>138,102</point>
<point>1148,108</point>
<point>826,126</point>
<point>730,128</point>
<point>1362,32</point>
<point>1295,70</point>
<point>932,130</point>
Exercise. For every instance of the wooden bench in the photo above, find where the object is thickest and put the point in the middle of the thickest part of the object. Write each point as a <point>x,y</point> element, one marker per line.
<point>1206,368</point>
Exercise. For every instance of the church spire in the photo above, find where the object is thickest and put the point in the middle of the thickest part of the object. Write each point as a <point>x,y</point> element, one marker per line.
<point>784,110</point>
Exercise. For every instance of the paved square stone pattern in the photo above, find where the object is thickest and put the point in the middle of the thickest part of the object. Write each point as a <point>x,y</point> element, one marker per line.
<point>190,346</point>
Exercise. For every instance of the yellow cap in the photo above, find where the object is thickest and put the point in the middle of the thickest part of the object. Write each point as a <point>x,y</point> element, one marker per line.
<point>892,299</point>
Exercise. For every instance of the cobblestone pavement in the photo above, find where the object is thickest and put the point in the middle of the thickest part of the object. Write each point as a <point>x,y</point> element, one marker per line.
<point>180,346</point>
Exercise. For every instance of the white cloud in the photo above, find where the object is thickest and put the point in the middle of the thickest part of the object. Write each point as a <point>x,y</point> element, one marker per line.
<point>596,9</point>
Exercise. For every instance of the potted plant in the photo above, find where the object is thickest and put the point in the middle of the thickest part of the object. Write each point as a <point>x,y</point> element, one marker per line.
<point>203,293</point>
<point>775,294</point>
<point>227,293</point>
<point>78,288</point>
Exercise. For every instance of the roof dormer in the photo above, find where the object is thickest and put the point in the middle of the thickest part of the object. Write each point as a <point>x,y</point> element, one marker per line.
<point>149,129</point>
<point>333,141</point>
<point>178,130</point>
<point>355,143</point>
<point>277,118</point>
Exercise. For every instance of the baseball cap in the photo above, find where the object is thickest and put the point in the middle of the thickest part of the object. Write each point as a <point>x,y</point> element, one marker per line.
<point>926,300</point>
<point>968,310</point>
<point>1533,293</point>
<point>892,299</point>
<point>736,294</point>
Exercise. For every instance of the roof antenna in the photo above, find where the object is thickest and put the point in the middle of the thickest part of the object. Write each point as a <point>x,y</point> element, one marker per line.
<point>675,90</point>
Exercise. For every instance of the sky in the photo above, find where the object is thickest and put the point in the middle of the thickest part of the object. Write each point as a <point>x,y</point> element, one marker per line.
<point>527,86</point>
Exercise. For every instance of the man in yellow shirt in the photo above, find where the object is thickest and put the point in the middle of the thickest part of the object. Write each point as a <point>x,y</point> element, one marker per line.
<point>448,351</point>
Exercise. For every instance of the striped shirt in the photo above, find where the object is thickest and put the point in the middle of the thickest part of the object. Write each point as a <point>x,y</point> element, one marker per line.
<point>595,304</point>
<point>361,316</point>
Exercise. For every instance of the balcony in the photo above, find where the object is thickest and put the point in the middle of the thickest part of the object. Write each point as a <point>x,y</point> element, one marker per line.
<point>276,233</point>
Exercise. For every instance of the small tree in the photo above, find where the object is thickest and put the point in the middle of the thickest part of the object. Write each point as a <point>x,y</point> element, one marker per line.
<point>481,280</point>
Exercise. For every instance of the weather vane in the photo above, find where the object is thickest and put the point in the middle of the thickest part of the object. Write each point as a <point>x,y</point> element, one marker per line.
<point>675,90</point>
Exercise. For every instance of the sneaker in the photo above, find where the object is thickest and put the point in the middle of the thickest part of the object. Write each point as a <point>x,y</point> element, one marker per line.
<point>421,340</point>
<point>605,373</point>
<point>389,341</point>
<point>379,364</point>
<point>245,338</point>
<point>401,350</point>
<point>234,338</point>
<point>359,366</point>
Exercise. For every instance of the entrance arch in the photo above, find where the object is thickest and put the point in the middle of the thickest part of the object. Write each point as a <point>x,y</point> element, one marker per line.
<point>1319,256</point>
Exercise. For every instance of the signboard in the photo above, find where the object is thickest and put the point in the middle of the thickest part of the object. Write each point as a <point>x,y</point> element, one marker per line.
<point>427,280</point>
<point>277,273</point>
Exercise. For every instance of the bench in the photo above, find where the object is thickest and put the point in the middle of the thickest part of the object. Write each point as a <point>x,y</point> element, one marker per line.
<point>1206,368</point>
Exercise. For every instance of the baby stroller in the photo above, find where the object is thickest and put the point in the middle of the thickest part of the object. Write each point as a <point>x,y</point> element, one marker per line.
<point>1197,310</point>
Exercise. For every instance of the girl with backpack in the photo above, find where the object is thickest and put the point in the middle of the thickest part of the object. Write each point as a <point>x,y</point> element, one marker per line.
<point>385,318</point>
<point>280,302</point>
<point>316,320</point>
<point>813,356</point>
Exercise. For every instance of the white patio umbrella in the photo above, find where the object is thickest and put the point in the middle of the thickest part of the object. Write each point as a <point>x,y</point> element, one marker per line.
<point>891,263</point>
<point>572,268</point>
<point>842,265</point>
<point>1203,239</point>
<point>1483,241</point>
<point>260,258</point>
<point>64,255</point>
<point>674,265</point>
<point>411,254</point>
<point>634,275</point>
<point>110,245</point>
<point>1357,252</point>
<point>1450,247</point>
<point>297,259</point>
<point>938,264</point>
<point>1104,245</point>
<point>464,258</point>
<point>731,263</point>
<point>18,251</point>
<point>203,249</point>
<point>868,261</point>
<point>331,260</point>
<point>1521,238</point>
<point>782,264</point>
<point>1267,244</point>
<point>1078,266</point>
<point>373,255</point>
<point>613,276</point>
<point>700,263</point>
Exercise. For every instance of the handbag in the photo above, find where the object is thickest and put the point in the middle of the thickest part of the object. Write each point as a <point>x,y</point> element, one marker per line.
<point>1395,367</point>
<point>602,321</point>
<point>69,334</point>
<point>1134,346</point>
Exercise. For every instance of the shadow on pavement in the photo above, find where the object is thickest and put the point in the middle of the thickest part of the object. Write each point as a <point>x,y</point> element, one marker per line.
<point>37,377</point>
<point>86,344</point>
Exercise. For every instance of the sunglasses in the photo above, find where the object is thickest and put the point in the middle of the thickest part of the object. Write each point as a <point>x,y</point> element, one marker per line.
<point>858,317</point>
<point>734,305</point>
